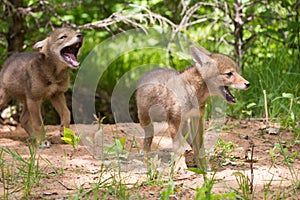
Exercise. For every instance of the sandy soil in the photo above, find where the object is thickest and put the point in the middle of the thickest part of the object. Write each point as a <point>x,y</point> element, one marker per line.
<point>67,172</point>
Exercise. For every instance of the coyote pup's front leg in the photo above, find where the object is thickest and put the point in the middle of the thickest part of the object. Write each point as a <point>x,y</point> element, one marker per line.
<point>59,103</point>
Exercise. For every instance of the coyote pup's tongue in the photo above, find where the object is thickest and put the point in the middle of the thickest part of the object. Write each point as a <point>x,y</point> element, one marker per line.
<point>70,58</point>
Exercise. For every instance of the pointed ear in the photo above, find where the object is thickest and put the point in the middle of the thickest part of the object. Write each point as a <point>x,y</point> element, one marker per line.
<point>200,56</point>
<point>39,45</point>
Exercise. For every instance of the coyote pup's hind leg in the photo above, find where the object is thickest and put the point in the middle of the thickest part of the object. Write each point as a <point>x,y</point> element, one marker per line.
<point>149,133</point>
<point>25,119</point>
<point>4,98</point>
<point>178,131</point>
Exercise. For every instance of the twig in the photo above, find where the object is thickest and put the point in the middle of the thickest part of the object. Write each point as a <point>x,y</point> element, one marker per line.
<point>68,188</point>
<point>251,166</point>
<point>266,106</point>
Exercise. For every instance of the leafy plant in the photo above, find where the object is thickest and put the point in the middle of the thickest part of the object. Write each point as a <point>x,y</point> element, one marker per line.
<point>249,109</point>
<point>223,152</point>
<point>71,138</point>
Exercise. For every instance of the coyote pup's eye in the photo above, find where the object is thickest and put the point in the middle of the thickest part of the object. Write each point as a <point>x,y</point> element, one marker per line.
<point>229,74</point>
<point>62,37</point>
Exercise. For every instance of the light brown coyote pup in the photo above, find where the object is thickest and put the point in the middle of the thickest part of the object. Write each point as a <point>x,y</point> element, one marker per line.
<point>176,97</point>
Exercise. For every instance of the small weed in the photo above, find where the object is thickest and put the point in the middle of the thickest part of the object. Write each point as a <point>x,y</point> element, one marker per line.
<point>152,168</point>
<point>165,195</point>
<point>244,186</point>
<point>224,149</point>
<point>290,119</point>
<point>267,187</point>
<point>288,160</point>
<point>248,111</point>
<point>117,148</point>
<point>99,120</point>
<point>223,153</point>
<point>71,138</point>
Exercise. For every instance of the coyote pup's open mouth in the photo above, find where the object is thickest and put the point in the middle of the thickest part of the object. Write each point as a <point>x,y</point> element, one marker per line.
<point>227,94</point>
<point>69,53</point>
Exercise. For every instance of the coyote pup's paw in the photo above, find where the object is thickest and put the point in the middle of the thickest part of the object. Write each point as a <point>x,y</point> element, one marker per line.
<point>180,165</point>
<point>61,131</point>
<point>44,144</point>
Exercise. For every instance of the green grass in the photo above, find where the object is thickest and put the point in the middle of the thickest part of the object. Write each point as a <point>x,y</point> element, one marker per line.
<point>21,173</point>
<point>279,76</point>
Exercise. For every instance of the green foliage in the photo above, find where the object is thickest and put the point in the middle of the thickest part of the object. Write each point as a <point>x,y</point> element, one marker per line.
<point>270,56</point>
<point>280,78</point>
<point>223,153</point>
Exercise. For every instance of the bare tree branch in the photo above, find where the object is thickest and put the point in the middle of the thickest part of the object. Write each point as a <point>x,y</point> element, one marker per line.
<point>223,39</point>
<point>135,19</point>
<point>189,14</point>
<point>185,20</point>
<point>224,8</point>
<point>198,21</point>
<point>185,4</point>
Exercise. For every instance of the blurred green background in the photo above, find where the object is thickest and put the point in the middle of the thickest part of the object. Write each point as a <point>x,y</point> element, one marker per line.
<point>262,36</point>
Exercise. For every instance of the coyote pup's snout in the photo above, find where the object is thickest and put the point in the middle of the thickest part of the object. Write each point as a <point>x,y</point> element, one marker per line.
<point>34,77</point>
<point>179,96</point>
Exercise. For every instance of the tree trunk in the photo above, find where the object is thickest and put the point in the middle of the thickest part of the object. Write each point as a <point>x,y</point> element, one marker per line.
<point>297,7</point>
<point>238,32</point>
<point>15,35</point>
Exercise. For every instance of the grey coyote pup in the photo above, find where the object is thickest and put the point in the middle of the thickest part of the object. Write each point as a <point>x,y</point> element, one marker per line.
<point>35,76</point>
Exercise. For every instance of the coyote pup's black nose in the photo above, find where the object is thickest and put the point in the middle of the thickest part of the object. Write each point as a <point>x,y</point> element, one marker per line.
<point>247,84</point>
<point>79,35</point>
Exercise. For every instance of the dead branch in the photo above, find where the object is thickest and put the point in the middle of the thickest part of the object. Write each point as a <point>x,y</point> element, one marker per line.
<point>135,19</point>
<point>188,15</point>
<point>184,23</point>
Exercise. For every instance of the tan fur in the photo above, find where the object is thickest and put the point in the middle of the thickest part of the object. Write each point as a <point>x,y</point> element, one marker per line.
<point>165,94</point>
<point>36,76</point>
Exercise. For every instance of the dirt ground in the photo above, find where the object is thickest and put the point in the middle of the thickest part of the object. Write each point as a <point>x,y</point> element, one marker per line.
<point>68,172</point>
